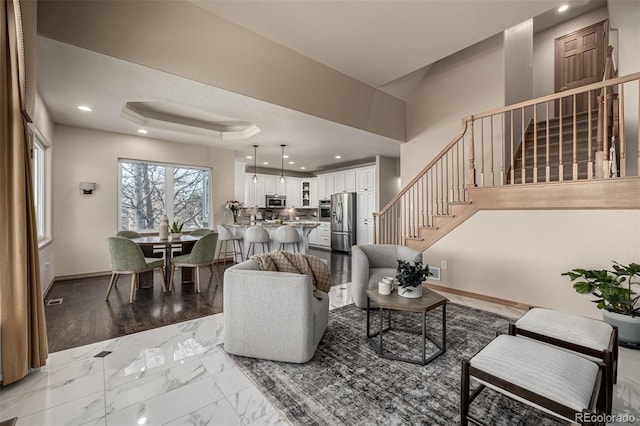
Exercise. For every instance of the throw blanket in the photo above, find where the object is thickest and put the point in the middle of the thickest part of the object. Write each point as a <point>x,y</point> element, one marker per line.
<point>297,263</point>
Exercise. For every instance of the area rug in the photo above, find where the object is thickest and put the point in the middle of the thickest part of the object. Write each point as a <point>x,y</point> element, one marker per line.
<point>347,383</point>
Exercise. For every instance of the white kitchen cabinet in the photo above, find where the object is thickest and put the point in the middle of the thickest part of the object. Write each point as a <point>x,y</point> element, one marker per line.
<point>322,187</point>
<point>350,181</point>
<point>269,184</point>
<point>331,189</point>
<point>366,179</point>
<point>366,205</point>
<point>338,183</point>
<point>326,186</point>
<point>281,187</point>
<point>313,192</point>
<point>313,237</point>
<point>254,191</point>
<point>272,185</point>
<point>324,235</point>
<point>293,192</point>
<point>364,232</point>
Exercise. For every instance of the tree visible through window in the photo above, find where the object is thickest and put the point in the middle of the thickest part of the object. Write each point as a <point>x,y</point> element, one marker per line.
<point>149,190</point>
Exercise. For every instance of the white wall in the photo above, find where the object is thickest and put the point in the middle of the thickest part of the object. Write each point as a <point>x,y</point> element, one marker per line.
<point>466,83</point>
<point>519,255</point>
<point>81,223</point>
<point>625,19</point>
<point>387,180</point>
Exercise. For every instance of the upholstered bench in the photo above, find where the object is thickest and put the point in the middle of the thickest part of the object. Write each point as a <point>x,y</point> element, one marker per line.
<point>588,337</point>
<point>542,376</point>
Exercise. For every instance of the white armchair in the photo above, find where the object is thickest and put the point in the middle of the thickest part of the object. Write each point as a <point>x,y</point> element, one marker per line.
<point>272,315</point>
<point>372,262</point>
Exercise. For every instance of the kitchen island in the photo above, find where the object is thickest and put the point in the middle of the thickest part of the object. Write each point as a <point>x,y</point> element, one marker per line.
<point>303,228</point>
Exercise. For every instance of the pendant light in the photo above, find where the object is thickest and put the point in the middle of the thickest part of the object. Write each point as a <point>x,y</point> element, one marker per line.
<point>282,165</point>
<point>255,176</point>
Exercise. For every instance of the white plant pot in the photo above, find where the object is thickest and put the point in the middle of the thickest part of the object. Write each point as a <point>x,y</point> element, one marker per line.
<point>410,292</point>
<point>628,328</point>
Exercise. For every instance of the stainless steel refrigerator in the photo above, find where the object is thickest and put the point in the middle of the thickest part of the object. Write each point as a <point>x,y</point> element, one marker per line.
<point>343,221</point>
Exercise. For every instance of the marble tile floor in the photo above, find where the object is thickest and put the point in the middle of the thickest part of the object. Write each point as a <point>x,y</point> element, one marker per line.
<point>179,375</point>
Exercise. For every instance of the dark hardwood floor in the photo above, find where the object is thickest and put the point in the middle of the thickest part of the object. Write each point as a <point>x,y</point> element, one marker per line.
<point>85,317</point>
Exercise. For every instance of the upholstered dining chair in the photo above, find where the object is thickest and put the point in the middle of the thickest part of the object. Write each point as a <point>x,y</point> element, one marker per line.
<point>127,258</point>
<point>203,254</point>
<point>128,234</point>
<point>147,250</point>
<point>200,232</point>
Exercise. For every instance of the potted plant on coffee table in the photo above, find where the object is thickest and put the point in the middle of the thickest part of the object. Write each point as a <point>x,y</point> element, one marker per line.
<point>410,278</point>
<point>616,294</point>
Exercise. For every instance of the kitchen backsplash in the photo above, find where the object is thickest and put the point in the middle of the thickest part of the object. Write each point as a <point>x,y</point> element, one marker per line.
<point>283,213</point>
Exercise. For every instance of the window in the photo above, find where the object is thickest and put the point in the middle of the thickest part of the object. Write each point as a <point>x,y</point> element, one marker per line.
<point>38,164</point>
<point>149,190</point>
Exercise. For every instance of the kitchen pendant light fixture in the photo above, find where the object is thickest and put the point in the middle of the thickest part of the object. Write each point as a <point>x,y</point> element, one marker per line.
<point>282,165</point>
<point>255,175</point>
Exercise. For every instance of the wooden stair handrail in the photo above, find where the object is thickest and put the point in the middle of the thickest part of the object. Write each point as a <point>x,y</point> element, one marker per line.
<point>406,188</point>
<point>570,92</point>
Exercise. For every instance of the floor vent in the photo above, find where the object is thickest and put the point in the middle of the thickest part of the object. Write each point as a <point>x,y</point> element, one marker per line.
<point>102,354</point>
<point>54,301</point>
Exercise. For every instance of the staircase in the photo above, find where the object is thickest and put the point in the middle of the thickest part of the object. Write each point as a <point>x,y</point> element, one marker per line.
<point>540,155</point>
<point>559,166</point>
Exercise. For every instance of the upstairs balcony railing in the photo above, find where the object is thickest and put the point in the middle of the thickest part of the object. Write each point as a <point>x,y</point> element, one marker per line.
<point>587,133</point>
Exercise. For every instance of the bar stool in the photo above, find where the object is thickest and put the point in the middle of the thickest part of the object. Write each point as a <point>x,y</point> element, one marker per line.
<point>224,236</point>
<point>256,235</point>
<point>288,235</point>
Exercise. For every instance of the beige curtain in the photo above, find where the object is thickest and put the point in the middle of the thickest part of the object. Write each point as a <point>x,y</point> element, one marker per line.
<point>23,332</point>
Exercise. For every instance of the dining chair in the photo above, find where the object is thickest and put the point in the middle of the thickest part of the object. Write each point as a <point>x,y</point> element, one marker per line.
<point>148,251</point>
<point>127,258</point>
<point>203,254</point>
<point>200,232</point>
<point>128,234</point>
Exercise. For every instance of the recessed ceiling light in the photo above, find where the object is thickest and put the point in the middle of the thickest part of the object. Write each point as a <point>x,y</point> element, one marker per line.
<point>265,163</point>
<point>285,156</point>
<point>338,157</point>
<point>303,168</point>
<point>292,162</point>
<point>563,8</point>
<point>84,108</point>
<point>142,131</point>
<point>249,157</point>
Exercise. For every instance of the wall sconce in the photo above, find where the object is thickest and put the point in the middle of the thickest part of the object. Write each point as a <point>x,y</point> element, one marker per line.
<point>87,188</point>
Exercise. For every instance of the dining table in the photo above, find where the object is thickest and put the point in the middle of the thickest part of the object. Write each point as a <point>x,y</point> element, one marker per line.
<point>151,244</point>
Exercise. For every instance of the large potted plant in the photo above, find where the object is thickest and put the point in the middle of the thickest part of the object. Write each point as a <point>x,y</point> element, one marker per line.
<point>615,292</point>
<point>410,277</point>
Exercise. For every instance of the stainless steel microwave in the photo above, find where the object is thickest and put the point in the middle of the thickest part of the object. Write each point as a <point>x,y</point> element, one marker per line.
<point>275,201</point>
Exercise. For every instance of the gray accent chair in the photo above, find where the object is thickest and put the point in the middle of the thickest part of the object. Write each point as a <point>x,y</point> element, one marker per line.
<point>372,262</point>
<point>203,254</point>
<point>127,258</point>
<point>272,315</point>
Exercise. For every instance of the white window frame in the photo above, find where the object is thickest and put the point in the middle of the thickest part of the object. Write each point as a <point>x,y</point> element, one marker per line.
<point>39,171</point>
<point>208,196</point>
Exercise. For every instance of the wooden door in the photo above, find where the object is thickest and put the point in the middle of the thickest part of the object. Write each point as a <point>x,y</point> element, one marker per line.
<point>579,60</point>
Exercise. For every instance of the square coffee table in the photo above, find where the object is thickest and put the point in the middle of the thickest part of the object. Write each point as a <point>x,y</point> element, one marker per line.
<point>394,302</point>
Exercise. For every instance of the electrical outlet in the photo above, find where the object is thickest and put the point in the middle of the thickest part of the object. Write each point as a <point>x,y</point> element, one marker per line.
<point>443,264</point>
